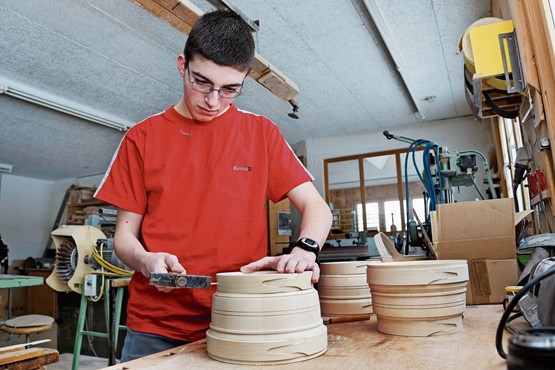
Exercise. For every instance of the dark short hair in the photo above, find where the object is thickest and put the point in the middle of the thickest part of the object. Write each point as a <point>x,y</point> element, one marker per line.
<point>222,37</point>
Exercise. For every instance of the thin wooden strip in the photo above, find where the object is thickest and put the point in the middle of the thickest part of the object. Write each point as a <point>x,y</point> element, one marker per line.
<point>50,356</point>
<point>10,357</point>
<point>16,347</point>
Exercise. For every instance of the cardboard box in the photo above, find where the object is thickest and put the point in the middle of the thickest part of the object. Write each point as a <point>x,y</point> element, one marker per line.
<point>475,230</point>
<point>488,279</point>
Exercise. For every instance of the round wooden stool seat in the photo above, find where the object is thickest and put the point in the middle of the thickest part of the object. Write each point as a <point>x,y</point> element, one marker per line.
<point>28,324</point>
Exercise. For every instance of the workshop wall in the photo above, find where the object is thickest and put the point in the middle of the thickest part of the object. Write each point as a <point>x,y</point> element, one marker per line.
<point>25,214</point>
<point>28,209</point>
<point>456,134</point>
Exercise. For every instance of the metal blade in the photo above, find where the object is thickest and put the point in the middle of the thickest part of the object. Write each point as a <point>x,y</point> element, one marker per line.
<point>180,281</point>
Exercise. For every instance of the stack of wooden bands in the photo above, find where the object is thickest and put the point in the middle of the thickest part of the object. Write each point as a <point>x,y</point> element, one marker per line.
<point>265,318</point>
<point>343,289</point>
<point>419,298</point>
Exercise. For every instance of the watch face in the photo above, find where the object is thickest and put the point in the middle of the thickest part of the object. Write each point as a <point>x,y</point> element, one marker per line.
<point>308,245</point>
<point>309,242</point>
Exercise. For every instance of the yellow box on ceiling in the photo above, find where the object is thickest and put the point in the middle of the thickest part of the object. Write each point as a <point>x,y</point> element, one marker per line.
<point>486,48</point>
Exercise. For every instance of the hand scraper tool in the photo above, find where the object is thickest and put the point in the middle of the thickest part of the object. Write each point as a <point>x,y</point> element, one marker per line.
<point>180,280</point>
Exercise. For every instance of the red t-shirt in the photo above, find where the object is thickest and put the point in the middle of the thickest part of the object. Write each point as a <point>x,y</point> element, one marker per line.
<point>202,190</point>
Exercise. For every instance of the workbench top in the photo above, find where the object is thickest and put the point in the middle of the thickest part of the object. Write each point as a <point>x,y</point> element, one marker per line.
<point>17,281</point>
<point>358,345</point>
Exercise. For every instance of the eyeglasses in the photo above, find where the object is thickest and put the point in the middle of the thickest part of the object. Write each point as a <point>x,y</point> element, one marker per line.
<point>206,88</point>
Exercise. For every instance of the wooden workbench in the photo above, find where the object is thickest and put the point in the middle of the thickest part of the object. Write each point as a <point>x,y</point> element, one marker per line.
<point>358,345</point>
<point>19,281</point>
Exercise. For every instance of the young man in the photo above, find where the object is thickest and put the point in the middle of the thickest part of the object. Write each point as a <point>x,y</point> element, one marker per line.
<point>190,185</point>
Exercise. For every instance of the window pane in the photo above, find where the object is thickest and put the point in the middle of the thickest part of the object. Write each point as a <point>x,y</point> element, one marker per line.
<point>372,217</point>
<point>344,185</point>
<point>392,210</point>
<point>419,207</point>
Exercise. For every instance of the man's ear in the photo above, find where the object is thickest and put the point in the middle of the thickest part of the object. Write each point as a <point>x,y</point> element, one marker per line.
<point>181,62</point>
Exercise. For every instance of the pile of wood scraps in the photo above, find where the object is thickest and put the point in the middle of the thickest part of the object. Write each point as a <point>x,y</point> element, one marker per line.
<point>24,356</point>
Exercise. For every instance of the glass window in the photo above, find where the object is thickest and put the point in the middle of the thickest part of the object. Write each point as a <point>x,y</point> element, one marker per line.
<point>392,210</point>
<point>372,217</point>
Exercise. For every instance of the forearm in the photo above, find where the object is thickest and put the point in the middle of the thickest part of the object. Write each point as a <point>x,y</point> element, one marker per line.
<point>130,251</point>
<point>316,222</point>
<point>316,215</point>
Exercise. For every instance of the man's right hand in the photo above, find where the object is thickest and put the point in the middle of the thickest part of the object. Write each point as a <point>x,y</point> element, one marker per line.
<point>161,263</point>
<point>130,251</point>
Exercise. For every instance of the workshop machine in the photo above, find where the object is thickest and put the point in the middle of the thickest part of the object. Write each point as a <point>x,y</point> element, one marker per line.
<point>83,255</point>
<point>442,171</point>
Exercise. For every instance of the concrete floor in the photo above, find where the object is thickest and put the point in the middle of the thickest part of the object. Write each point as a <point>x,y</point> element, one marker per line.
<point>66,359</point>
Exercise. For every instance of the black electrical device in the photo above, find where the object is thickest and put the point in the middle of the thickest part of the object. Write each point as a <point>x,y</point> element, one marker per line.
<point>468,161</point>
<point>4,256</point>
<point>533,348</point>
<point>530,349</point>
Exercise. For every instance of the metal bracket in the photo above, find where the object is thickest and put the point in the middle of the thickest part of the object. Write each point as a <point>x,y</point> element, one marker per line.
<point>517,83</point>
<point>477,92</point>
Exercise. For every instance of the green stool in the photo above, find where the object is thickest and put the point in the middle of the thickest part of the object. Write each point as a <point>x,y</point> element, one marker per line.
<point>113,300</point>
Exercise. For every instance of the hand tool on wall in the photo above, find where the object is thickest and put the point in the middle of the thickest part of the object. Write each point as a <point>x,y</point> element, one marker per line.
<point>544,146</point>
<point>180,280</point>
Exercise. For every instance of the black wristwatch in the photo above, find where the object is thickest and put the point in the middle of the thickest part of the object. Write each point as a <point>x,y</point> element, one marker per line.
<point>308,245</point>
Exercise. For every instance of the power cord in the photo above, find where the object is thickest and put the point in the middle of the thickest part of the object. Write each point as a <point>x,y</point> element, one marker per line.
<point>512,304</point>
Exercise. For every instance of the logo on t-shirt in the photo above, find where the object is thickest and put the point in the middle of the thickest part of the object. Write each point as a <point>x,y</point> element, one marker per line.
<point>186,133</point>
<point>242,168</point>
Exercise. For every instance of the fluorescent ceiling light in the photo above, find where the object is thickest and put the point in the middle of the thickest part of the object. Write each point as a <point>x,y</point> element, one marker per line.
<point>30,94</point>
<point>400,65</point>
<point>5,167</point>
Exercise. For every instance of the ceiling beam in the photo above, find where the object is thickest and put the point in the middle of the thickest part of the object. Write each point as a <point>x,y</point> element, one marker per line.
<point>400,64</point>
<point>182,15</point>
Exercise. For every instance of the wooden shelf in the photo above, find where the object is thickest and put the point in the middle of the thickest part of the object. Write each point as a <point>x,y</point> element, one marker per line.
<point>546,194</point>
<point>344,219</point>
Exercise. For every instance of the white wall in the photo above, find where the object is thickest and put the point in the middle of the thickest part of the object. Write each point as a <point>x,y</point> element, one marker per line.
<point>28,210</point>
<point>25,214</point>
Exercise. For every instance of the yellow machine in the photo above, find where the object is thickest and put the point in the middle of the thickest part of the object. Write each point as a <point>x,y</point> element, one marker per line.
<point>74,257</point>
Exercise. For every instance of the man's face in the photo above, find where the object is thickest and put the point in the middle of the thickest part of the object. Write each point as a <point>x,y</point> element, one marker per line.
<point>201,76</point>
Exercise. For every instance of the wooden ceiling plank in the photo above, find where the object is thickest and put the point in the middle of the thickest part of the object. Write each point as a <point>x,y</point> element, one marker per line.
<point>182,14</point>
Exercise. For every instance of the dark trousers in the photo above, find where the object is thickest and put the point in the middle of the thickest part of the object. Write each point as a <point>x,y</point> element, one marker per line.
<point>139,344</point>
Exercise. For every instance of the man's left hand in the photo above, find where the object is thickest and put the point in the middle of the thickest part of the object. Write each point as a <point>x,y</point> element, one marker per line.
<point>297,261</point>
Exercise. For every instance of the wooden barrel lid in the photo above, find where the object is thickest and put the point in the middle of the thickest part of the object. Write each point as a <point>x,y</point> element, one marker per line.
<point>265,282</point>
